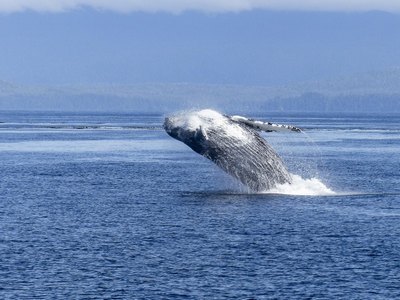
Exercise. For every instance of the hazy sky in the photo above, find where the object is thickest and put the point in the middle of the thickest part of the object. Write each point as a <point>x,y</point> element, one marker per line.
<point>230,42</point>
<point>201,5</point>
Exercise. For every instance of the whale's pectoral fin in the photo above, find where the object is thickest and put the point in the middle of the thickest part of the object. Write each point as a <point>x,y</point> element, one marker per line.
<point>264,126</point>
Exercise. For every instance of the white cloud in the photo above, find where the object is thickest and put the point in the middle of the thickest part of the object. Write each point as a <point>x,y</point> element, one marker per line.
<point>177,6</point>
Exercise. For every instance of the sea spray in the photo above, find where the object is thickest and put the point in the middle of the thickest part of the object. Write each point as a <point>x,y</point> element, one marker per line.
<point>303,187</point>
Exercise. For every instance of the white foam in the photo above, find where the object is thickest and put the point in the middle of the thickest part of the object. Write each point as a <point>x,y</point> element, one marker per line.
<point>302,187</point>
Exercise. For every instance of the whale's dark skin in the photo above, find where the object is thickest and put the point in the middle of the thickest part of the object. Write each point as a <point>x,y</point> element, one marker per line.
<point>236,148</point>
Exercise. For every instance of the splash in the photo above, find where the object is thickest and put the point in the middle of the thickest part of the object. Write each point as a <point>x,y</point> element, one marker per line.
<point>302,187</point>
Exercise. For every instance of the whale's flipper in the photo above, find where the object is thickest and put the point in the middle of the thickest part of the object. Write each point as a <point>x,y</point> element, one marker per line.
<point>264,126</point>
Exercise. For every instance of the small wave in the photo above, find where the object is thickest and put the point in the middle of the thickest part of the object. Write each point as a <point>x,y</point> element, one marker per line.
<point>302,187</point>
<point>19,126</point>
<point>356,130</point>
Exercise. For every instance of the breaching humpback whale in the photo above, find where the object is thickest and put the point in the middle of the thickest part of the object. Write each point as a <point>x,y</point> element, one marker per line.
<point>234,144</point>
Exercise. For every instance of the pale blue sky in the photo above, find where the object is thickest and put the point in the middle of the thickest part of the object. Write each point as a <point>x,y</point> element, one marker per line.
<point>251,46</point>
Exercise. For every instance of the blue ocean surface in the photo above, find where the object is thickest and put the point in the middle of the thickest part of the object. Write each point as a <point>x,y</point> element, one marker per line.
<point>108,206</point>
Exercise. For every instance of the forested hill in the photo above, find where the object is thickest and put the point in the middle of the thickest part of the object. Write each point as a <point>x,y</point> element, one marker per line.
<point>377,92</point>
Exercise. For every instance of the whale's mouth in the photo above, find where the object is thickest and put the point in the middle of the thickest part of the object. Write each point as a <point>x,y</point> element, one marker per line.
<point>167,125</point>
<point>172,129</point>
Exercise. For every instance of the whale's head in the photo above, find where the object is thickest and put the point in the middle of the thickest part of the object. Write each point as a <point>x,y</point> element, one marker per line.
<point>200,129</point>
<point>190,128</point>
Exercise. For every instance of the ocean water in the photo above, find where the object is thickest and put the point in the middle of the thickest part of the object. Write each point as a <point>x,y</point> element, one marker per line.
<point>108,206</point>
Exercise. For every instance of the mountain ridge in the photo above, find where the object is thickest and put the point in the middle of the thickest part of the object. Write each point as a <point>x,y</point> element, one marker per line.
<point>366,92</point>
